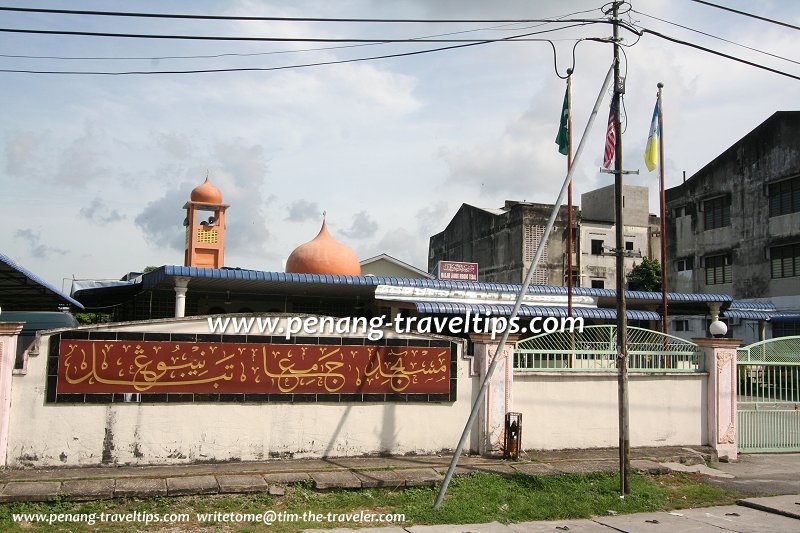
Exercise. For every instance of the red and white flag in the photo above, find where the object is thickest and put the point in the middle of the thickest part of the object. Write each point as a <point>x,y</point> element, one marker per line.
<point>611,139</point>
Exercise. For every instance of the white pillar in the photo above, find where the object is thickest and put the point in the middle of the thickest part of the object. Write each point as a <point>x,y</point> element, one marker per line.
<point>721,367</point>
<point>8,353</point>
<point>497,400</point>
<point>181,286</point>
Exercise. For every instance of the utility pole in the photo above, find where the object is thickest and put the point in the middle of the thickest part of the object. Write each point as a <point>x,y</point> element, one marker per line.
<point>622,321</point>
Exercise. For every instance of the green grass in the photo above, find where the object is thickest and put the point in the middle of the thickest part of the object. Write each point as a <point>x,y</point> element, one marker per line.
<point>479,497</point>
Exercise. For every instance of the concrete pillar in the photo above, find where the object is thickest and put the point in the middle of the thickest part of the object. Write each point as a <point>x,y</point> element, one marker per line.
<point>8,353</point>
<point>497,400</point>
<point>762,330</point>
<point>181,286</point>
<point>721,367</point>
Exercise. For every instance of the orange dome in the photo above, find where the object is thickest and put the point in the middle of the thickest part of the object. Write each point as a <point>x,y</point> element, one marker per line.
<point>205,193</point>
<point>323,255</point>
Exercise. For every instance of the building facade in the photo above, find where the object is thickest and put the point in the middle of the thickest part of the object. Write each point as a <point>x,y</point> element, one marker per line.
<point>642,234</point>
<point>503,241</point>
<point>734,226</point>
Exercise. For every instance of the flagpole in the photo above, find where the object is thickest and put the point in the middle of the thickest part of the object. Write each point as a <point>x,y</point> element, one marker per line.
<point>501,344</point>
<point>664,322</point>
<point>569,193</point>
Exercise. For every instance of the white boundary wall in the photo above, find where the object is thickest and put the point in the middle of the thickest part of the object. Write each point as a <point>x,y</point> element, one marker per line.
<point>571,410</point>
<point>560,411</point>
<point>46,434</point>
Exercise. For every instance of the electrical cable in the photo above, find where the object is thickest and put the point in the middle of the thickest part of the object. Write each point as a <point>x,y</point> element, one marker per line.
<point>286,67</point>
<point>721,54</point>
<point>264,19</point>
<point>718,38</point>
<point>746,14</point>
<point>503,27</point>
<point>577,22</point>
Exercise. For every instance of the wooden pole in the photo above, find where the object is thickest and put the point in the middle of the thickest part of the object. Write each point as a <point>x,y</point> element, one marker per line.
<point>622,322</point>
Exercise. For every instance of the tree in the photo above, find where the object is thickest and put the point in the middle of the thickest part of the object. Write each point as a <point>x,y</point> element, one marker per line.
<point>91,318</point>
<point>645,276</point>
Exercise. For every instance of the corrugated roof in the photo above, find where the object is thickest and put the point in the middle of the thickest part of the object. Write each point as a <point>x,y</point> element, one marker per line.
<point>530,311</point>
<point>155,277</point>
<point>22,290</point>
<point>747,314</point>
<point>753,305</point>
<point>786,316</point>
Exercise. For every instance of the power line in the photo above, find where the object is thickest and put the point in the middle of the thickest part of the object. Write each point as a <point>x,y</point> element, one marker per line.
<point>718,38</point>
<point>503,27</point>
<point>746,14</point>
<point>274,19</point>
<point>286,67</point>
<point>721,54</point>
<point>578,22</point>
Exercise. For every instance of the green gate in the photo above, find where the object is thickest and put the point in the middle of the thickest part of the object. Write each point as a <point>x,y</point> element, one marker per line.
<point>595,350</point>
<point>768,396</point>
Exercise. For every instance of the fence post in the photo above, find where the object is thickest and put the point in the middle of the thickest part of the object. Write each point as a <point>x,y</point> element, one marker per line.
<point>9,332</point>
<point>720,354</point>
<point>497,400</point>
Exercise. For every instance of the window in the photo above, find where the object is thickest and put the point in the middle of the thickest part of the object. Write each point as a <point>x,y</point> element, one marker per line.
<point>717,212</point>
<point>682,325</point>
<point>686,263</point>
<point>784,197</point>
<point>680,211</point>
<point>576,278</point>
<point>718,269</point>
<point>629,246</point>
<point>598,284</point>
<point>785,261</point>
<point>597,247</point>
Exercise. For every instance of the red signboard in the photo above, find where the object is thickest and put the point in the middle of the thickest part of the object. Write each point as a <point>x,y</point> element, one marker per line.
<point>456,271</point>
<point>95,366</point>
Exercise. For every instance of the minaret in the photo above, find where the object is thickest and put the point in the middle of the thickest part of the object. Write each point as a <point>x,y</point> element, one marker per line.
<point>205,236</point>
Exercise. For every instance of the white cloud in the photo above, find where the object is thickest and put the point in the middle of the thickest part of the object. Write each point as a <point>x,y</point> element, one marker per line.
<point>362,227</point>
<point>405,140</point>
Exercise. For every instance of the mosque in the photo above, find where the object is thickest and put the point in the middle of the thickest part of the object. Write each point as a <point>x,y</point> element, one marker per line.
<point>157,385</point>
<point>325,277</point>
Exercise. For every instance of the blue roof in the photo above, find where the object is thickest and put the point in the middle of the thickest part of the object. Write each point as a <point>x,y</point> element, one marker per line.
<point>155,277</point>
<point>753,305</point>
<point>530,311</point>
<point>786,316</point>
<point>747,314</point>
<point>22,290</point>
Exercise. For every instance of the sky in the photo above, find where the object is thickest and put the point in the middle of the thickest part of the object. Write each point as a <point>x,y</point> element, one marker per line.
<point>95,170</point>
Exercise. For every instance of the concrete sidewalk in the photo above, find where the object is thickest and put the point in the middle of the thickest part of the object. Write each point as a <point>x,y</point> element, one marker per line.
<point>780,514</point>
<point>761,474</point>
<point>97,483</point>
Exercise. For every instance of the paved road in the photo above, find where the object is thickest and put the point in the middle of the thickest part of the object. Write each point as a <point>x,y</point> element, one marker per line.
<point>769,517</point>
<point>762,474</point>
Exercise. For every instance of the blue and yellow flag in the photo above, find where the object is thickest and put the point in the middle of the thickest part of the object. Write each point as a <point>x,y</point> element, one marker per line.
<point>651,152</point>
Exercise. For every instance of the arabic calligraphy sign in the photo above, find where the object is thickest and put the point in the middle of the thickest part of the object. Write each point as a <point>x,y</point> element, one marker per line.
<point>99,366</point>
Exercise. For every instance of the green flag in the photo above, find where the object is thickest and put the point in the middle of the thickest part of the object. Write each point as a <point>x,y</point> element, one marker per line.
<point>562,139</point>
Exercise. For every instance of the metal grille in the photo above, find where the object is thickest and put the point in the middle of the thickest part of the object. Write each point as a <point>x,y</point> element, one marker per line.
<point>207,236</point>
<point>783,350</point>
<point>533,235</point>
<point>768,396</point>
<point>595,350</point>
